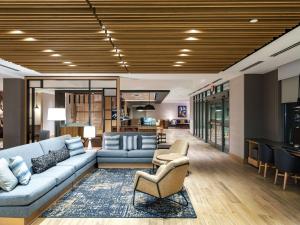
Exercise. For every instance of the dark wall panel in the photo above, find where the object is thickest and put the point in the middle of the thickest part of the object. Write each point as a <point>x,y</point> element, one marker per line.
<point>14,112</point>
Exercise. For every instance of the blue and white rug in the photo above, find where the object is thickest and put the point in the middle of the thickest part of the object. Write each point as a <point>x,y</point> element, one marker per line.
<point>107,193</point>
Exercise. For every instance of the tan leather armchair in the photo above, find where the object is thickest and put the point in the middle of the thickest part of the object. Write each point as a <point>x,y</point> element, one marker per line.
<point>167,181</point>
<point>179,146</point>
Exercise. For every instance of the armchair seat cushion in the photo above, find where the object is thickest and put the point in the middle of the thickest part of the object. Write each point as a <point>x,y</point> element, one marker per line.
<point>79,161</point>
<point>112,153</point>
<point>60,173</point>
<point>140,153</point>
<point>26,194</point>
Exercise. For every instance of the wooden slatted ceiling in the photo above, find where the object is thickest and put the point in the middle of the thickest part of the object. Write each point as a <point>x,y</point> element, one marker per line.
<point>149,33</point>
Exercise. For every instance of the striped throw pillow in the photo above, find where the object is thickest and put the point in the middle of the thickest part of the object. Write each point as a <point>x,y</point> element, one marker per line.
<point>149,142</point>
<point>130,142</point>
<point>75,146</point>
<point>112,142</point>
<point>19,168</point>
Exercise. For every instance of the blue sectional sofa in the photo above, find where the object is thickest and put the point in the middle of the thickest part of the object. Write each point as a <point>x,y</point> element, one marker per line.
<point>25,200</point>
<point>125,156</point>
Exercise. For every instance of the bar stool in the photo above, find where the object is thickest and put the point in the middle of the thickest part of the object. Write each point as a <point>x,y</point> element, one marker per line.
<point>286,164</point>
<point>265,157</point>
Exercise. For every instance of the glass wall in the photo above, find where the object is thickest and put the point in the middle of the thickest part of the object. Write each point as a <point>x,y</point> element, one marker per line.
<point>211,116</point>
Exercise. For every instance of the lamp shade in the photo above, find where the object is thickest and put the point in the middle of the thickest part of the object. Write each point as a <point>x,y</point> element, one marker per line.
<point>89,131</point>
<point>56,114</point>
<point>149,107</point>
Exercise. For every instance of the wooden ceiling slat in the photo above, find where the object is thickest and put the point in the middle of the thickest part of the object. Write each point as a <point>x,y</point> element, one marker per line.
<point>149,33</point>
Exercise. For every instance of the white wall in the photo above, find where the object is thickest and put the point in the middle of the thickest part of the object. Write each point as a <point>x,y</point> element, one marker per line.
<point>168,111</point>
<point>48,102</point>
<point>236,101</point>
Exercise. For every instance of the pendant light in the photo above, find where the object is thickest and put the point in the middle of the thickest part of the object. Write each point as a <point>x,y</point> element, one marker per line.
<point>140,109</point>
<point>149,107</point>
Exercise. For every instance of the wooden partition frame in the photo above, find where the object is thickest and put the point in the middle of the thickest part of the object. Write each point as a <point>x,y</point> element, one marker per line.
<point>37,78</point>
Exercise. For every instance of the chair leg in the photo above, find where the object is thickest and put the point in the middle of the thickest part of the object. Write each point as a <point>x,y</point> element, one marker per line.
<point>276,175</point>
<point>259,167</point>
<point>285,180</point>
<point>265,171</point>
<point>182,204</point>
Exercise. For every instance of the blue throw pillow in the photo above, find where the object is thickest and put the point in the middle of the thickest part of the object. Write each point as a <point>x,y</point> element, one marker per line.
<point>149,142</point>
<point>75,146</point>
<point>130,142</point>
<point>20,169</point>
<point>8,181</point>
<point>112,142</point>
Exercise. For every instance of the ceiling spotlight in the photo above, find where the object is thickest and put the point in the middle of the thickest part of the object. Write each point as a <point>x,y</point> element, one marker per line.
<point>124,65</point>
<point>193,31</point>
<point>254,20</point>
<point>105,31</point>
<point>71,65</point>
<point>118,54</point>
<point>109,39</point>
<point>56,55</point>
<point>191,39</point>
<point>48,50</point>
<point>180,62</point>
<point>103,27</point>
<point>67,62</point>
<point>185,50</point>
<point>177,65</point>
<point>122,62</point>
<point>16,32</point>
<point>29,39</point>
<point>183,54</point>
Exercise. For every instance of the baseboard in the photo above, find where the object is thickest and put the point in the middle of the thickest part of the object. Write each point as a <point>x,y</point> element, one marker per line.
<point>124,165</point>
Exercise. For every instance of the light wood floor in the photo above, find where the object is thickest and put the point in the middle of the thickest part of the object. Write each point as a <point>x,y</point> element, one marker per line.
<point>223,191</point>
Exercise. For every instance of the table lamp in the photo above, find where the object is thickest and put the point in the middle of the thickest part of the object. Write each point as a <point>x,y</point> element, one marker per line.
<point>89,132</point>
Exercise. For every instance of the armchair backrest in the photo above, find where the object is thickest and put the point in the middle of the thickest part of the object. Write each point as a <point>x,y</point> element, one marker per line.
<point>180,146</point>
<point>171,177</point>
<point>266,153</point>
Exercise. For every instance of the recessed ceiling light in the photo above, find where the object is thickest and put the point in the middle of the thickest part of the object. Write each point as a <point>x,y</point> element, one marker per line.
<point>191,39</point>
<point>118,55</point>
<point>67,62</point>
<point>122,62</point>
<point>48,50</point>
<point>254,20</point>
<point>116,50</point>
<point>16,32</point>
<point>185,50</point>
<point>183,54</point>
<point>177,65</point>
<point>193,31</point>
<point>110,38</point>
<point>56,55</point>
<point>123,65</point>
<point>179,62</point>
<point>107,31</point>
<point>29,39</point>
<point>72,65</point>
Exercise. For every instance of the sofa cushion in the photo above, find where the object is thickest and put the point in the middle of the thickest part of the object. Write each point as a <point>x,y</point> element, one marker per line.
<point>61,154</point>
<point>25,151</point>
<point>112,153</point>
<point>8,181</point>
<point>79,161</point>
<point>75,146</point>
<point>26,194</point>
<point>60,173</point>
<point>141,153</point>
<point>20,169</point>
<point>54,143</point>
<point>42,163</point>
<point>112,142</point>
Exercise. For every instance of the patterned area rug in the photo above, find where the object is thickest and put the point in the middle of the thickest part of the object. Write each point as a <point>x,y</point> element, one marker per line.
<point>107,193</point>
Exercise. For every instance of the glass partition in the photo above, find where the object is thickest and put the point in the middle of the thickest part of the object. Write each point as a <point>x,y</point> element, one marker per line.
<point>86,101</point>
